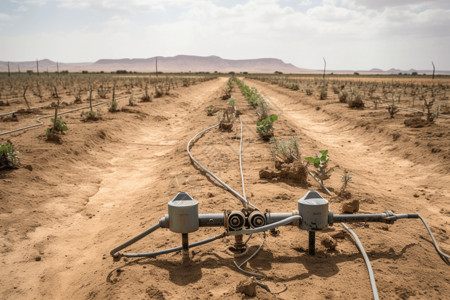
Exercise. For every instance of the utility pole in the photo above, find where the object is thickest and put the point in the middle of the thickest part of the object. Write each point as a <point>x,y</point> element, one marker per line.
<point>433,68</point>
<point>9,73</point>
<point>57,68</point>
<point>156,67</point>
<point>18,68</point>
<point>37,66</point>
<point>324,67</point>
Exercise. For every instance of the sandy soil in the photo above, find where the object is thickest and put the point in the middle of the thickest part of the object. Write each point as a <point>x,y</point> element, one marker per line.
<point>112,179</point>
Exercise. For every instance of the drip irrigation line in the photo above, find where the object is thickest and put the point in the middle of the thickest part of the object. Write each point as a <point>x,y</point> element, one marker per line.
<point>243,200</point>
<point>367,261</point>
<point>40,123</point>
<point>444,257</point>
<point>239,266</point>
<point>175,249</point>
<point>240,162</point>
<point>360,247</point>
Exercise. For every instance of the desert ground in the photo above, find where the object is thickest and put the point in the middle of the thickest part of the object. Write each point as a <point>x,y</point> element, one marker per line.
<point>70,203</point>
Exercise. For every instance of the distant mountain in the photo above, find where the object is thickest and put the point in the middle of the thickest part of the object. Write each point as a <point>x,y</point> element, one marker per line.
<point>179,63</point>
<point>188,63</point>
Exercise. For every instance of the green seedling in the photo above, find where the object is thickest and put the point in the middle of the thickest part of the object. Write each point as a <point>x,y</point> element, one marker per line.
<point>346,179</point>
<point>321,164</point>
<point>59,126</point>
<point>265,127</point>
<point>8,156</point>
<point>286,151</point>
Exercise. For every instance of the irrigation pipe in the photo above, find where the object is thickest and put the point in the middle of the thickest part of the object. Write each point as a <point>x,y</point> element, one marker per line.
<point>360,247</point>
<point>243,200</point>
<point>240,162</point>
<point>52,115</point>
<point>445,257</point>
<point>175,249</point>
<point>366,259</point>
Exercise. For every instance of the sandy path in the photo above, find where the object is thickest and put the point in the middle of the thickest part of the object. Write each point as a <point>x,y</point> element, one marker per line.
<point>73,248</point>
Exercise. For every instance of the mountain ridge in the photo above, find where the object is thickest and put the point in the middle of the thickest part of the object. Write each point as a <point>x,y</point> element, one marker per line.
<point>186,63</point>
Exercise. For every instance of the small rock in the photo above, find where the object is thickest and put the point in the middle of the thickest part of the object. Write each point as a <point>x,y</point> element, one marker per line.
<point>28,167</point>
<point>210,195</point>
<point>328,242</point>
<point>350,206</point>
<point>37,258</point>
<point>247,287</point>
<point>416,195</point>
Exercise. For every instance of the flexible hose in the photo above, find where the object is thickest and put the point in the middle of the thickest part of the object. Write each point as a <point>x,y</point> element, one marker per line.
<point>360,247</point>
<point>366,259</point>
<point>115,251</point>
<point>243,200</point>
<point>240,162</point>
<point>156,253</point>
<point>239,266</point>
<point>445,257</point>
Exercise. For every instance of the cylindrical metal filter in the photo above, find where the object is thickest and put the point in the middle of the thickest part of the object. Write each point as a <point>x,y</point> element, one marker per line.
<point>183,213</point>
<point>313,209</point>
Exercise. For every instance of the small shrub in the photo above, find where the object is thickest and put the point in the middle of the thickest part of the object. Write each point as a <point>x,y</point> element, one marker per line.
<point>346,179</point>
<point>356,102</point>
<point>323,94</point>
<point>8,156</point>
<point>265,127</point>
<point>392,108</point>
<point>342,97</point>
<point>285,151</point>
<point>91,116</point>
<point>59,126</point>
<point>321,164</point>
<point>113,107</point>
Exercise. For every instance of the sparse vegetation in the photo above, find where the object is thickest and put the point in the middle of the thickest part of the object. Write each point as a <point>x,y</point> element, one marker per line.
<point>285,151</point>
<point>8,156</point>
<point>321,165</point>
<point>265,127</point>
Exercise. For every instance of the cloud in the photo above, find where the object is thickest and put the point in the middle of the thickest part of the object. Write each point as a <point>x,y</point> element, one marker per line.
<point>349,33</point>
<point>4,17</point>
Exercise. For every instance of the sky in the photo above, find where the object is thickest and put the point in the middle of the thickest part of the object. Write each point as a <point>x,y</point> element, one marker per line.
<point>349,34</point>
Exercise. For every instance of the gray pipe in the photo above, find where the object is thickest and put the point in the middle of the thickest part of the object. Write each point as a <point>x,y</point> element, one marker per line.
<point>267,227</point>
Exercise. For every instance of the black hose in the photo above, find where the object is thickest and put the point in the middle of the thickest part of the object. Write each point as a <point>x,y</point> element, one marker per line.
<point>156,253</point>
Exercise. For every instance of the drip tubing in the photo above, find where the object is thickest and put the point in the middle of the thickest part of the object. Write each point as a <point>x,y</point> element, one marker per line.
<point>243,200</point>
<point>366,259</point>
<point>52,115</point>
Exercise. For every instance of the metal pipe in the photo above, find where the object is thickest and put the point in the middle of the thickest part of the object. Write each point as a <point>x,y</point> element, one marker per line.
<point>276,217</point>
<point>185,247</point>
<point>266,227</point>
<point>115,252</point>
<point>312,243</point>
<point>166,251</point>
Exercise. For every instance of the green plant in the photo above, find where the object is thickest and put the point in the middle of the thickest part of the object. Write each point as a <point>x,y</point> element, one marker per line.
<point>59,126</point>
<point>91,116</point>
<point>323,94</point>
<point>211,110</point>
<point>346,179</point>
<point>265,127</point>
<point>113,107</point>
<point>286,151</point>
<point>321,164</point>
<point>8,156</point>
<point>232,103</point>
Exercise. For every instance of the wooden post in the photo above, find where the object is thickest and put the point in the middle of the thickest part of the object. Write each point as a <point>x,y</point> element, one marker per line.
<point>37,66</point>
<point>9,73</point>
<point>433,69</point>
